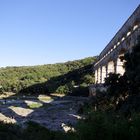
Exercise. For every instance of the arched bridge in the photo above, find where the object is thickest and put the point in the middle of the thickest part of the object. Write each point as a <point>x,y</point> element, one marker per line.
<point>109,59</point>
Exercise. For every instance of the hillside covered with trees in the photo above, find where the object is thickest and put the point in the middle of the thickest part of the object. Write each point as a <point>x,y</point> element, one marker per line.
<point>60,77</point>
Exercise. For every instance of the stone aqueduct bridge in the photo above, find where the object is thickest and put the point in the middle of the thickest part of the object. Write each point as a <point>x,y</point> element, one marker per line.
<point>109,59</point>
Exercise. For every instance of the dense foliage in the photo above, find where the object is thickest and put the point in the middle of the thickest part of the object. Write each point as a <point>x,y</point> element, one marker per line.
<point>59,77</point>
<point>132,67</point>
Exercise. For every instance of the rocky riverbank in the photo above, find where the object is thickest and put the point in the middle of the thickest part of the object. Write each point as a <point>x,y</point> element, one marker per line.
<point>55,114</point>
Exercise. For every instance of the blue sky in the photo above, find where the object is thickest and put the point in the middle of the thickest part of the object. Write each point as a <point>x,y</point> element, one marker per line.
<point>35,32</point>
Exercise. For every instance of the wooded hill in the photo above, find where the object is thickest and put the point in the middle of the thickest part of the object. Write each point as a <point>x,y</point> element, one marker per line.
<point>60,77</point>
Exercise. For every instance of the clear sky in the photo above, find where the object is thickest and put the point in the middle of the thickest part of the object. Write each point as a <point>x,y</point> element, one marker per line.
<point>36,32</point>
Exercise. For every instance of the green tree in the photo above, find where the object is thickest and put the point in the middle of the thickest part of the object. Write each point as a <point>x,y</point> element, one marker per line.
<point>88,79</point>
<point>132,67</point>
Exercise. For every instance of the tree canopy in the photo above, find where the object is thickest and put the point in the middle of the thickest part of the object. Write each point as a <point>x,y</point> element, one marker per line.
<point>47,78</point>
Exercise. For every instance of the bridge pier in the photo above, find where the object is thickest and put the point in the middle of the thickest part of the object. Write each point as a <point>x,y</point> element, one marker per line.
<point>99,76</point>
<point>104,73</point>
<point>111,67</point>
<point>120,67</point>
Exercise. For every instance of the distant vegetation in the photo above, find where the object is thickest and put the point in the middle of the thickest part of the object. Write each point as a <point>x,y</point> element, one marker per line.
<point>61,78</point>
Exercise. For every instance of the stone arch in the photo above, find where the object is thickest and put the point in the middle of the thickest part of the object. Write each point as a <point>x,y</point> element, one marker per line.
<point>123,37</point>
<point>136,24</point>
<point>120,63</point>
<point>110,67</point>
<point>129,31</point>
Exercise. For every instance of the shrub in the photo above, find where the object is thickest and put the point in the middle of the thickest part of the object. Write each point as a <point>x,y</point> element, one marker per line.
<point>63,89</point>
<point>103,126</point>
